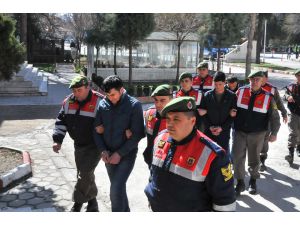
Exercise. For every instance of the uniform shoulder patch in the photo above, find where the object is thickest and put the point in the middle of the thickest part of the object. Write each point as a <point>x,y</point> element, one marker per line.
<point>227,172</point>
<point>212,145</point>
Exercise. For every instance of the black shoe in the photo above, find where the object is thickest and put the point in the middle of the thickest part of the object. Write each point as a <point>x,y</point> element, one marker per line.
<point>262,167</point>
<point>92,206</point>
<point>240,187</point>
<point>76,207</point>
<point>252,186</point>
<point>290,159</point>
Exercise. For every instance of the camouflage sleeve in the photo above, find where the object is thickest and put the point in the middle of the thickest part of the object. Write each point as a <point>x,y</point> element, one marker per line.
<point>279,103</point>
<point>60,128</point>
<point>274,118</point>
<point>287,93</point>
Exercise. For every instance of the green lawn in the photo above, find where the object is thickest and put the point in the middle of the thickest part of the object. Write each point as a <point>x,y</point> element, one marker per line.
<point>267,65</point>
<point>47,67</point>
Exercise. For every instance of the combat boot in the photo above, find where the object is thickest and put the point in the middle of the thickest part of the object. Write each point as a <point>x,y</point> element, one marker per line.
<point>76,207</point>
<point>290,156</point>
<point>298,150</point>
<point>262,166</point>
<point>252,186</point>
<point>92,205</point>
<point>240,187</point>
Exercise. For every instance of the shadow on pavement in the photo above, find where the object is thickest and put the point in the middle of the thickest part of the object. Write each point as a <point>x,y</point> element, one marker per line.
<point>276,188</point>
<point>28,196</point>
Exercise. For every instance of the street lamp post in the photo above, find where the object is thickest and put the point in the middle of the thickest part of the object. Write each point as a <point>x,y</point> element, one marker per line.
<point>265,36</point>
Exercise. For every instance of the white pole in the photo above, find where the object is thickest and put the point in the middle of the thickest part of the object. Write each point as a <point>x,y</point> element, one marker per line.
<point>265,39</point>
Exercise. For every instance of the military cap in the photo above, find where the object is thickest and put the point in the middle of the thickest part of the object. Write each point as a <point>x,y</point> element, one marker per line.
<point>202,65</point>
<point>297,72</point>
<point>219,76</point>
<point>185,75</point>
<point>162,90</point>
<point>232,79</point>
<point>265,73</point>
<point>79,81</point>
<point>256,74</point>
<point>181,104</point>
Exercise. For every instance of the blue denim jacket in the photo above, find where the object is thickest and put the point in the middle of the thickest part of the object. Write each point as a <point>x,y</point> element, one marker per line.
<point>126,114</point>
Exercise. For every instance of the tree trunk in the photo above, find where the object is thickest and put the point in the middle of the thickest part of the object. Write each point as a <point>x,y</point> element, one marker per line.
<point>259,35</point>
<point>178,62</point>
<point>97,54</point>
<point>79,51</point>
<point>201,53</point>
<point>115,58</point>
<point>249,45</point>
<point>218,59</point>
<point>23,33</point>
<point>130,66</point>
<point>219,43</point>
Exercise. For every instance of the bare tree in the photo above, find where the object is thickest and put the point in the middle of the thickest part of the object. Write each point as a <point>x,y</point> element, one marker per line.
<point>79,23</point>
<point>249,45</point>
<point>292,27</point>
<point>180,25</point>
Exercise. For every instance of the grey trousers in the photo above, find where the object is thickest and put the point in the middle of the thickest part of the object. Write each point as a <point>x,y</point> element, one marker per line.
<point>87,159</point>
<point>294,130</point>
<point>265,148</point>
<point>252,144</point>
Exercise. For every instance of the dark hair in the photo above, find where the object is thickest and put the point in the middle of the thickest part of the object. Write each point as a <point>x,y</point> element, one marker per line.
<point>219,76</point>
<point>232,79</point>
<point>111,82</point>
<point>190,114</point>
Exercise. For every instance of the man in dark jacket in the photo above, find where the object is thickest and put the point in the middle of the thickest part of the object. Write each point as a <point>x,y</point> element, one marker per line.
<point>219,103</point>
<point>117,113</point>
<point>292,95</point>
<point>77,116</point>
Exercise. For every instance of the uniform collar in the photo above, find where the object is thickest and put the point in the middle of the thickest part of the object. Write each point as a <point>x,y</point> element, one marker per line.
<point>184,141</point>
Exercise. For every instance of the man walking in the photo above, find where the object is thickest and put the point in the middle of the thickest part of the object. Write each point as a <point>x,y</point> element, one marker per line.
<point>292,95</point>
<point>77,116</point>
<point>255,109</point>
<point>274,91</point>
<point>219,104</point>
<point>162,95</point>
<point>190,172</point>
<point>116,113</point>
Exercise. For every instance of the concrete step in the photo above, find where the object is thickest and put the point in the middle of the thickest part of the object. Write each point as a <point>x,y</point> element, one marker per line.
<point>19,94</point>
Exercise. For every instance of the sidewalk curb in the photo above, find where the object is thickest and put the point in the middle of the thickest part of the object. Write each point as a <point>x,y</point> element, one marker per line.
<point>19,173</point>
<point>262,68</point>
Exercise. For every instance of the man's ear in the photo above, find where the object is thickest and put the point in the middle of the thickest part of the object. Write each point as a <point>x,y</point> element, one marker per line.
<point>122,90</point>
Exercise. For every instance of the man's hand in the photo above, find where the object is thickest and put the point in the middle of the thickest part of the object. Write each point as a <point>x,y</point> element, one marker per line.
<point>232,112</point>
<point>215,130</point>
<point>128,133</point>
<point>114,158</point>
<point>202,112</point>
<point>285,119</point>
<point>56,147</point>
<point>290,99</point>
<point>100,129</point>
<point>105,156</point>
<point>272,138</point>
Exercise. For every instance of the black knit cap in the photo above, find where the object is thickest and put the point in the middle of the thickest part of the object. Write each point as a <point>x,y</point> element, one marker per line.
<point>219,76</point>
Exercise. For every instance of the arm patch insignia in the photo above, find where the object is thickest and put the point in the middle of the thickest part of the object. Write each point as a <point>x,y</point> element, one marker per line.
<point>227,172</point>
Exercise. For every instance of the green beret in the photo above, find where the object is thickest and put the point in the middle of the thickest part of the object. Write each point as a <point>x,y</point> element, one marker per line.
<point>202,65</point>
<point>162,90</point>
<point>297,72</point>
<point>181,104</point>
<point>185,75</point>
<point>79,81</point>
<point>256,74</point>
